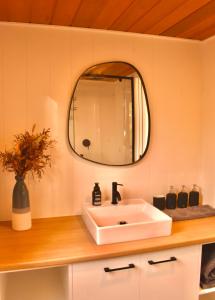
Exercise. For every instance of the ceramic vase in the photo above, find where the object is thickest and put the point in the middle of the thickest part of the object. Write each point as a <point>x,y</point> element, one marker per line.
<point>21,213</point>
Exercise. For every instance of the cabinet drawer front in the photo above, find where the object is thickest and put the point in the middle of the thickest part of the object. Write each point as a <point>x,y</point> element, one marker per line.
<point>114,279</point>
<point>171,274</point>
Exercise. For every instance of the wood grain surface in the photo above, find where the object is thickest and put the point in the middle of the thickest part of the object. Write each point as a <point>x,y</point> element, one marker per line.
<point>193,19</point>
<point>64,240</point>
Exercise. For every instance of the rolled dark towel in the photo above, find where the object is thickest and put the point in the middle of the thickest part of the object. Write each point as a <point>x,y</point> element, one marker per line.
<point>208,266</point>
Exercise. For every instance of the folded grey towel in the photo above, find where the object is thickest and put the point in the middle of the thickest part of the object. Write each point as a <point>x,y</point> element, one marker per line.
<point>192,212</point>
<point>208,266</point>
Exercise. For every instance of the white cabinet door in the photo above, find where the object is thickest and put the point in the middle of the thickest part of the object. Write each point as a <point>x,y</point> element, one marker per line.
<point>91,282</point>
<point>175,279</point>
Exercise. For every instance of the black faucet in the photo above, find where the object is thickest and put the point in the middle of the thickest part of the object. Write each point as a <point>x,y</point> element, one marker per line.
<point>115,194</point>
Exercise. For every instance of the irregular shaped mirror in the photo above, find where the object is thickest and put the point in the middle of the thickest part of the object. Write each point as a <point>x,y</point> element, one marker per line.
<point>109,115</point>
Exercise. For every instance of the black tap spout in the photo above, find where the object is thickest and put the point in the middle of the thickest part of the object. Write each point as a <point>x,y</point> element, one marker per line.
<point>115,194</point>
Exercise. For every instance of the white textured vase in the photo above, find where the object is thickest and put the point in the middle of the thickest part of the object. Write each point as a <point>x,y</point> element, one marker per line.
<point>21,221</point>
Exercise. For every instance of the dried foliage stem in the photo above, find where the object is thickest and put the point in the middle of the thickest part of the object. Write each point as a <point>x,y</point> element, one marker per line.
<point>30,153</point>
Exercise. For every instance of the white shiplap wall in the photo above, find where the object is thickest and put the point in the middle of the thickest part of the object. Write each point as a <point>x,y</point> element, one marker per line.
<point>38,69</point>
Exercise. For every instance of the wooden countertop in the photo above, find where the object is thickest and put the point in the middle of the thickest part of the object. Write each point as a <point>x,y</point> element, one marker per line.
<point>64,240</point>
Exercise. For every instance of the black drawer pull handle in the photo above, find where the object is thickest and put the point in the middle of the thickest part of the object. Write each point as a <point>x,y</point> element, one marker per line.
<point>130,266</point>
<point>151,262</point>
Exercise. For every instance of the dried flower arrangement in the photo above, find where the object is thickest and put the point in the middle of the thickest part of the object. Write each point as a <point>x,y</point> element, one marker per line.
<point>29,153</point>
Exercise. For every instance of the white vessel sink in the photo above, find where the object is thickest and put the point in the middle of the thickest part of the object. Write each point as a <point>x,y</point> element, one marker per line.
<point>133,220</point>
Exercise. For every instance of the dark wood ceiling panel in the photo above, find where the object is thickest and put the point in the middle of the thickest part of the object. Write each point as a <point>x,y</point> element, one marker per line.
<point>198,16</point>
<point>181,12</point>
<point>87,13</point>
<point>65,11</point>
<point>110,13</point>
<point>42,11</point>
<point>200,27</point>
<point>156,14</point>
<point>204,34</point>
<point>118,69</point>
<point>135,11</point>
<point>111,69</point>
<point>18,11</point>
<point>3,11</point>
<point>193,19</point>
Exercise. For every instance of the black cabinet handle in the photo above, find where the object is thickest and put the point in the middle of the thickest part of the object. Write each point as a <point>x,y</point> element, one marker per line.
<point>151,262</point>
<point>130,266</point>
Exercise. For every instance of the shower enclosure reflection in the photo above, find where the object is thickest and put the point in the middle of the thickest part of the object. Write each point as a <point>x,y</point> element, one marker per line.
<point>109,116</point>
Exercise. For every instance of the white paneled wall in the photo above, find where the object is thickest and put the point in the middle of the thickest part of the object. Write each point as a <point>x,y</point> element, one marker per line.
<point>208,121</point>
<point>39,66</point>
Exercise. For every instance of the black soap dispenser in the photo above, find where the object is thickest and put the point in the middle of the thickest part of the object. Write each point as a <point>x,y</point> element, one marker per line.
<point>171,198</point>
<point>194,196</point>
<point>96,195</point>
<point>183,197</point>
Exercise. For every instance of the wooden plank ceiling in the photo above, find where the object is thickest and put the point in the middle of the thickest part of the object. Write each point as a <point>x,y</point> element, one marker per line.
<point>192,19</point>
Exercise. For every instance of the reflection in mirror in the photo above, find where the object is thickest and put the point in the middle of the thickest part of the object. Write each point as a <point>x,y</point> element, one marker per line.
<point>109,115</point>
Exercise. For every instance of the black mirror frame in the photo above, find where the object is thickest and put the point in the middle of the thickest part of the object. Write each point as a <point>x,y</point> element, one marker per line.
<point>148,111</point>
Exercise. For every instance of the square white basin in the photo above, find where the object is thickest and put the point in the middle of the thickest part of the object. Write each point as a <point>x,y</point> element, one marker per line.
<point>126,222</point>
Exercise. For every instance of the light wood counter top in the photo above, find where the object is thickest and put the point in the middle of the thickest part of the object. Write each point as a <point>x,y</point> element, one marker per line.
<point>64,240</point>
